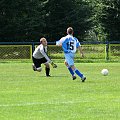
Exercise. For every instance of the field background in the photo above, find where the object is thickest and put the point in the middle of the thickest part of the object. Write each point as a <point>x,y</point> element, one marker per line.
<point>28,95</point>
<point>93,52</point>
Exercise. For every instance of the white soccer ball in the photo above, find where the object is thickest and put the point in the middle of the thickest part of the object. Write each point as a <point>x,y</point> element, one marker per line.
<point>104,72</point>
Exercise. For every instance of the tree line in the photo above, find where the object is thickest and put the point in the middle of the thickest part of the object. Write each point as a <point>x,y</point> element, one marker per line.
<point>28,20</point>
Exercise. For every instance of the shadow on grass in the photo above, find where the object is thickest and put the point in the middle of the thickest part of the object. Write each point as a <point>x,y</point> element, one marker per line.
<point>61,76</point>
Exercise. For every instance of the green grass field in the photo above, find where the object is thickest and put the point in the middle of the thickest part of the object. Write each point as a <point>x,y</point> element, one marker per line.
<point>28,95</point>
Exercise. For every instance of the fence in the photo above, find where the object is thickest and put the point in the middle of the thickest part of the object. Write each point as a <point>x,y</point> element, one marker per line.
<point>93,51</point>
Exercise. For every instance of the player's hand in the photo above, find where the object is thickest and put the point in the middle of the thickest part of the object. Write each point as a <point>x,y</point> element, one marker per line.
<point>53,65</point>
<point>82,55</point>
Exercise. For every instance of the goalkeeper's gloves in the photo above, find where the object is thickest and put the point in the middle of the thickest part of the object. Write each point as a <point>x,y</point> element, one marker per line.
<point>53,64</point>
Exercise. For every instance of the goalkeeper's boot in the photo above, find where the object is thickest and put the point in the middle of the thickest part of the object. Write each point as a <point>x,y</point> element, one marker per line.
<point>83,78</point>
<point>74,77</point>
<point>48,75</point>
<point>34,68</point>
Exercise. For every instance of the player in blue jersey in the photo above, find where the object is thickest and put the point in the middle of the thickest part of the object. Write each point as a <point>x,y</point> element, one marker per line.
<point>70,44</point>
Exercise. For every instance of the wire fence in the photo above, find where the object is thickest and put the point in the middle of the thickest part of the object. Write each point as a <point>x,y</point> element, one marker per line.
<point>93,51</point>
<point>15,51</point>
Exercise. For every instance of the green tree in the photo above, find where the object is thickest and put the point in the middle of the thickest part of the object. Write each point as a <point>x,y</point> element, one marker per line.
<point>106,19</point>
<point>21,20</point>
<point>111,19</point>
<point>64,13</point>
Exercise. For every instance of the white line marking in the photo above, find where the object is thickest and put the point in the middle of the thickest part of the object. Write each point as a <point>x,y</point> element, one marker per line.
<point>39,103</point>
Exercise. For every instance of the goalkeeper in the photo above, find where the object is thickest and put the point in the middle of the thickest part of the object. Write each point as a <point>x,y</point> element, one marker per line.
<point>40,57</point>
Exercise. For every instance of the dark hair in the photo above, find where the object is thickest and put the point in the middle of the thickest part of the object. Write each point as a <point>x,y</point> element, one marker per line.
<point>70,30</point>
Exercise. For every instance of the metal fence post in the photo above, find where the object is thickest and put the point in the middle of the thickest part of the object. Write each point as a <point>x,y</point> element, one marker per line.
<point>33,47</point>
<point>107,51</point>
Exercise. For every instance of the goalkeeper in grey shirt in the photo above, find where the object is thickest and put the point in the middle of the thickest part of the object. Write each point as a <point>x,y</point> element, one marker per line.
<point>40,57</point>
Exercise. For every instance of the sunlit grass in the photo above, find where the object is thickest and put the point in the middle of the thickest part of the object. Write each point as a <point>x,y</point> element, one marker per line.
<point>28,95</point>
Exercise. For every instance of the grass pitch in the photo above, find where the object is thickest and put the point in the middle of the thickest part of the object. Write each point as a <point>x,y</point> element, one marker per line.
<point>28,95</point>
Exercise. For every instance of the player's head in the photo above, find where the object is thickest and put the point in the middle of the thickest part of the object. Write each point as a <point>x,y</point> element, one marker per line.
<point>70,31</point>
<point>43,41</point>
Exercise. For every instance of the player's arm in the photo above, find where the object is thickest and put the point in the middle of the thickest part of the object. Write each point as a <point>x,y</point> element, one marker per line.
<point>59,42</point>
<point>81,52</point>
<point>44,54</point>
<point>53,64</point>
<point>78,46</point>
<point>47,58</point>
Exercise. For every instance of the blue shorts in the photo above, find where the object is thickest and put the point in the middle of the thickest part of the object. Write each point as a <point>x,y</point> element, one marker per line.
<point>69,58</point>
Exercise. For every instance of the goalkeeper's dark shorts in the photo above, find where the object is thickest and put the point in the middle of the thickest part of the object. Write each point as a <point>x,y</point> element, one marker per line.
<point>38,62</point>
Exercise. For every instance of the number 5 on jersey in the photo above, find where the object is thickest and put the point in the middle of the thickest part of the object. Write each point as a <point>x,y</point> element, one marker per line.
<point>70,45</point>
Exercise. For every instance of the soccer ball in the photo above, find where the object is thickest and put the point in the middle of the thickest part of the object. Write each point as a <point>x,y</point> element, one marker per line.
<point>104,72</point>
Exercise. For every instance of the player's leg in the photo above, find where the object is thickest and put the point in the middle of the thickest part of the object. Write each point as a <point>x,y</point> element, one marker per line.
<point>47,66</point>
<point>77,71</point>
<point>70,70</point>
<point>47,69</point>
<point>33,66</point>
<point>83,78</point>
<point>36,64</point>
<point>68,62</point>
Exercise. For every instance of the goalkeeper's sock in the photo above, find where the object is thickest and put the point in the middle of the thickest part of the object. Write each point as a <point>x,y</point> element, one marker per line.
<point>71,71</point>
<point>78,73</point>
<point>47,71</point>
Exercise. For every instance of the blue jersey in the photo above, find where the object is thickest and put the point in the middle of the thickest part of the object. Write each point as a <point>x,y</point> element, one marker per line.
<point>69,44</point>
